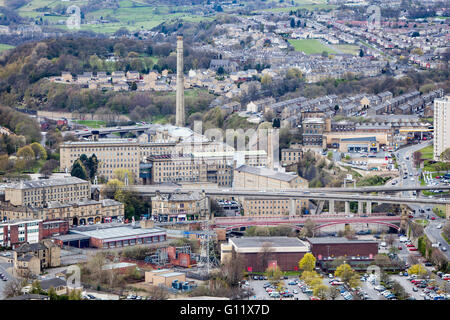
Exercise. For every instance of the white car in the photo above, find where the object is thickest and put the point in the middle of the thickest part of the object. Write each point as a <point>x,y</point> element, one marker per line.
<point>439,226</point>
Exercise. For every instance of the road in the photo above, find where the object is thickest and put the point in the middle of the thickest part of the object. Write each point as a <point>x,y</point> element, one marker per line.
<point>431,231</point>
<point>3,267</point>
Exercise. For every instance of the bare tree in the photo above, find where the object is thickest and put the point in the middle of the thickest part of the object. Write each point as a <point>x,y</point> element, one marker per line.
<point>333,293</point>
<point>158,293</point>
<point>232,270</point>
<point>390,239</point>
<point>308,228</point>
<point>265,253</point>
<point>412,260</point>
<point>13,288</point>
<point>438,258</point>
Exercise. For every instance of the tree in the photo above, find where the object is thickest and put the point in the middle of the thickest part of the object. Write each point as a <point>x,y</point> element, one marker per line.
<point>78,170</point>
<point>13,288</point>
<point>274,273</point>
<point>308,228</point>
<point>110,189</point>
<point>48,167</point>
<point>333,293</point>
<point>39,151</point>
<point>382,260</point>
<point>265,253</point>
<point>321,291</point>
<point>292,23</point>
<point>354,281</point>
<point>344,272</point>
<point>26,153</point>
<point>307,263</point>
<point>232,270</point>
<point>92,166</point>
<point>294,73</point>
<point>266,80</point>
<point>121,174</point>
<point>417,269</point>
<point>220,71</point>
<point>158,293</point>
<point>120,50</point>
<point>52,294</point>
<point>390,239</point>
<point>75,295</point>
<point>445,156</point>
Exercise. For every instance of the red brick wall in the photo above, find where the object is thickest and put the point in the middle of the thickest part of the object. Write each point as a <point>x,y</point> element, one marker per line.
<point>14,235</point>
<point>286,261</point>
<point>96,243</point>
<point>342,249</point>
<point>61,228</point>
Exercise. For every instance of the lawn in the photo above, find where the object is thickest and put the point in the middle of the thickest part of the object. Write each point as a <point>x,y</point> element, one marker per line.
<point>4,47</point>
<point>310,46</point>
<point>439,211</point>
<point>427,152</point>
<point>422,222</point>
<point>91,123</point>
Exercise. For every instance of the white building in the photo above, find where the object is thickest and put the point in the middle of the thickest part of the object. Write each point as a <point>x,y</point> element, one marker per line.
<point>441,126</point>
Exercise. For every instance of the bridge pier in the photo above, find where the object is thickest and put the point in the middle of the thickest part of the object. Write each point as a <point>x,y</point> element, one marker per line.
<point>292,207</point>
<point>360,207</point>
<point>347,207</point>
<point>369,207</point>
<point>331,207</point>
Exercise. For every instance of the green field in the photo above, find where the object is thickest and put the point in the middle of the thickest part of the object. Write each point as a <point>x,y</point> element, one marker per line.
<point>132,14</point>
<point>427,152</point>
<point>4,47</point>
<point>91,123</point>
<point>310,46</point>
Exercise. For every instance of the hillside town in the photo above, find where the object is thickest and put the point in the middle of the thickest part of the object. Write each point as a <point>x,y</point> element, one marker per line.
<point>308,158</point>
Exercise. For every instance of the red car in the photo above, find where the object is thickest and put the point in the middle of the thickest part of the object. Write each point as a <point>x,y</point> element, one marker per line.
<point>410,216</point>
<point>437,177</point>
<point>412,249</point>
<point>410,245</point>
<point>399,248</point>
<point>433,218</point>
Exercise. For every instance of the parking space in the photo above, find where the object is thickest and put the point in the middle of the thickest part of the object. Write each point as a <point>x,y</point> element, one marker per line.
<point>408,286</point>
<point>260,293</point>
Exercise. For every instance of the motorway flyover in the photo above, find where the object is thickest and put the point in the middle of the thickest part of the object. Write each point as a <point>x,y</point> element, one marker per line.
<point>306,194</point>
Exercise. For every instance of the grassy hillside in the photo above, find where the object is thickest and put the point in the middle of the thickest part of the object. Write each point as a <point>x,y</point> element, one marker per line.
<point>131,14</point>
